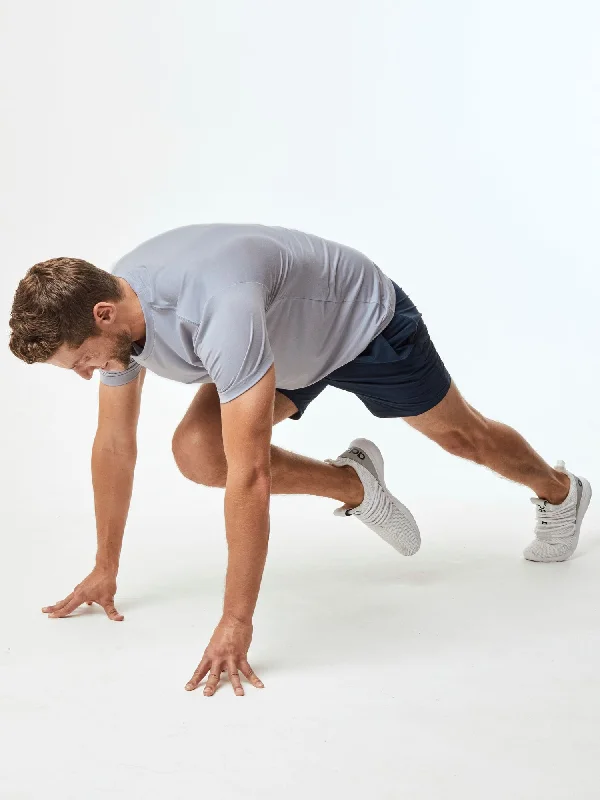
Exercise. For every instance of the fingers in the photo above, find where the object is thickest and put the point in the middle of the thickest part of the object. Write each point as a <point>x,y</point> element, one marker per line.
<point>251,675</point>
<point>213,679</point>
<point>234,677</point>
<point>212,682</point>
<point>66,609</point>
<point>198,675</point>
<point>206,666</point>
<point>112,613</point>
<point>59,605</point>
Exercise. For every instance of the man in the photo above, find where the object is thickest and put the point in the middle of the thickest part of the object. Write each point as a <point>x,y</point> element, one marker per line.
<point>264,318</point>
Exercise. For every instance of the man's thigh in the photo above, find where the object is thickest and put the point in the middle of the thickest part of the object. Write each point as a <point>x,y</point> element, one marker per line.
<point>200,432</point>
<point>203,417</point>
<point>451,416</point>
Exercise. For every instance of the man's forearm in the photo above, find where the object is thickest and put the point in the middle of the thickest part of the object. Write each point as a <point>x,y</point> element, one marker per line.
<point>112,479</point>
<point>247,525</point>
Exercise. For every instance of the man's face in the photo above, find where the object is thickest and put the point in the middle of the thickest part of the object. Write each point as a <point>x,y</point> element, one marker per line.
<point>107,351</point>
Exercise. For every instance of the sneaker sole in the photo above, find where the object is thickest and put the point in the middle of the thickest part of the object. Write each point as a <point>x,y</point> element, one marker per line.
<point>586,496</point>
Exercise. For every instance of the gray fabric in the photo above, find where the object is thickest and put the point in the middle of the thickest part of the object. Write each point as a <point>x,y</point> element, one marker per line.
<point>222,302</point>
<point>359,455</point>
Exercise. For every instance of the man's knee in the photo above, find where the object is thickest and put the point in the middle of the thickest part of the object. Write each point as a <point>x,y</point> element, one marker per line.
<point>197,459</point>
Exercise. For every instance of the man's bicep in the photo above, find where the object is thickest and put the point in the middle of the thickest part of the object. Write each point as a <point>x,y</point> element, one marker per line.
<point>247,427</point>
<point>119,410</point>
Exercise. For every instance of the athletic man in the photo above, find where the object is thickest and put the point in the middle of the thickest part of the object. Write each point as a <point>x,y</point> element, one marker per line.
<point>263,318</point>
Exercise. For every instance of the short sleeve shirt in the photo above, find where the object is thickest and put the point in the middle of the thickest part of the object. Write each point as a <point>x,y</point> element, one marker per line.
<point>223,302</point>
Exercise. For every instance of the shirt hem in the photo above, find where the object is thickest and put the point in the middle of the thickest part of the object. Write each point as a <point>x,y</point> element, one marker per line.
<point>246,384</point>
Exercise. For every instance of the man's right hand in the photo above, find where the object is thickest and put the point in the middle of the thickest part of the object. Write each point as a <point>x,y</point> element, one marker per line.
<point>99,587</point>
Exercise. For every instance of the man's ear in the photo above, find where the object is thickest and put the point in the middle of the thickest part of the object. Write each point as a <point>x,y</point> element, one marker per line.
<point>104,313</point>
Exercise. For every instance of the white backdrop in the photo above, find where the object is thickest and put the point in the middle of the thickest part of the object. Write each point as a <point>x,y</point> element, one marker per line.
<point>454,143</point>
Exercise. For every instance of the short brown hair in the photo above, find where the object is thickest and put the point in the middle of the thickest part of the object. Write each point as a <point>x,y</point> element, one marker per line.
<point>53,305</point>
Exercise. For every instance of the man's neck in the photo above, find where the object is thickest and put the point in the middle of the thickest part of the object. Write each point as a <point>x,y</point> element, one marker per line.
<point>133,314</point>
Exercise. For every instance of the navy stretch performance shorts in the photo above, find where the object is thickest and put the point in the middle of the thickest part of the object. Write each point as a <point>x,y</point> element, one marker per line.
<point>399,373</point>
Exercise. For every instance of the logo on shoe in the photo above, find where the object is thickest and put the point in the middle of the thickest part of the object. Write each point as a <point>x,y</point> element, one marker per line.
<point>358,453</point>
<point>543,509</point>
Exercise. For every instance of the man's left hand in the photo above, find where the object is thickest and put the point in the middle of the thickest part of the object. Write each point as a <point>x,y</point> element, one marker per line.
<point>226,651</point>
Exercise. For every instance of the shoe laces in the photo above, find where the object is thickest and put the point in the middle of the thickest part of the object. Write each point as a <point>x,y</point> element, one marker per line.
<point>554,523</point>
<point>380,509</point>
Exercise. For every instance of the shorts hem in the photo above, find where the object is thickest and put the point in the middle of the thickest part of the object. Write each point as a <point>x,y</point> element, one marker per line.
<point>414,411</point>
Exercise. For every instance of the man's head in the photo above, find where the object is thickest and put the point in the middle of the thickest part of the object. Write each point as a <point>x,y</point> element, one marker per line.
<point>71,314</point>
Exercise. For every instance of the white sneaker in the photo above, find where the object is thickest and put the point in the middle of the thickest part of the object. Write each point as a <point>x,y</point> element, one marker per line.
<point>379,510</point>
<point>557,528</point>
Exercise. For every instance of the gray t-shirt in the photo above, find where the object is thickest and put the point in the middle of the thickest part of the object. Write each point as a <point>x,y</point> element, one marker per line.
<point>222,302</point>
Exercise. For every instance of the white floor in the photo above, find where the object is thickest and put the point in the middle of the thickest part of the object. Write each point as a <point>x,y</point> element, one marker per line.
<point>464,672</point>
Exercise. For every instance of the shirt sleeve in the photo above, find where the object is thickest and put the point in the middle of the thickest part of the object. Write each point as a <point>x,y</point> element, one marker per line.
<point>120,377</point>
<point>232,340</point>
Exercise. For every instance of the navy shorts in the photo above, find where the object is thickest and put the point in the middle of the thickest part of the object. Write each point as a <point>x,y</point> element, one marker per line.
<point>399,373</point>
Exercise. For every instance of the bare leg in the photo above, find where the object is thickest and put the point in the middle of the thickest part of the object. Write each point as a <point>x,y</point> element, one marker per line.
<point>198,451</point>
<point>460,429</point>
<point>292,473</point>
